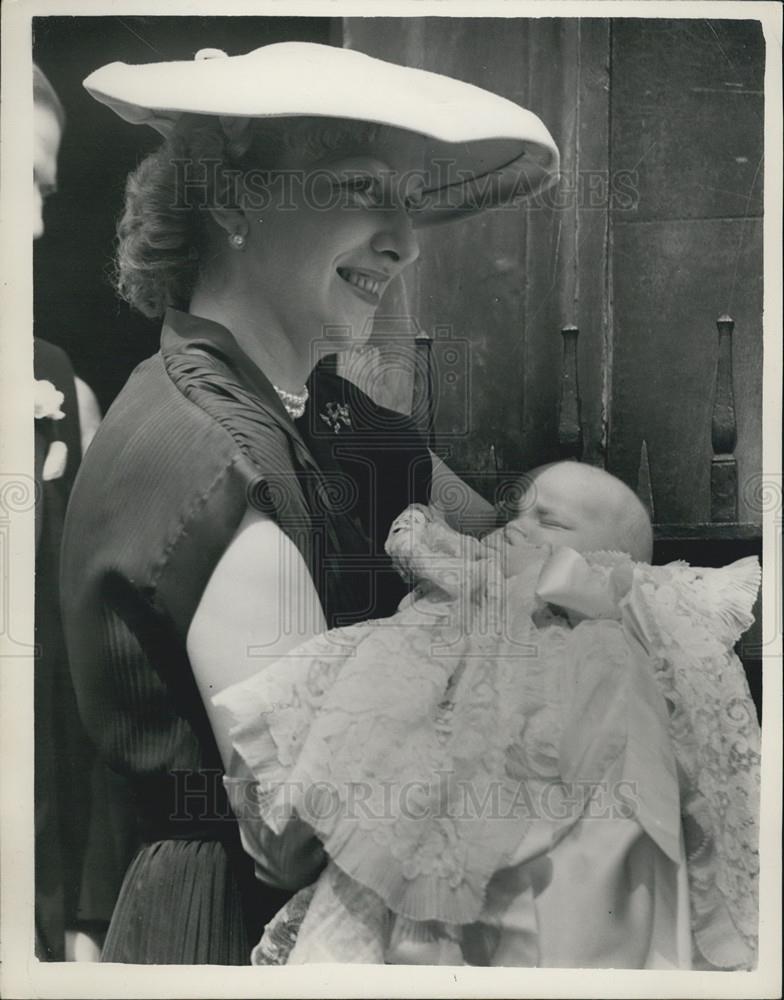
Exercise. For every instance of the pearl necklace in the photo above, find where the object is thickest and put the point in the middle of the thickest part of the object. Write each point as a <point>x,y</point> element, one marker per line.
<point>294,402</point>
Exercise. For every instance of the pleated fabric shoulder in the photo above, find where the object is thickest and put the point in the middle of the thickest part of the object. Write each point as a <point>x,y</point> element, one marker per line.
<point>267,457</point>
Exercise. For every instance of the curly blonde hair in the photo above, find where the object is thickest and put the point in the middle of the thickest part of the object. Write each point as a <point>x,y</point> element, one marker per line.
<point>163,237</point>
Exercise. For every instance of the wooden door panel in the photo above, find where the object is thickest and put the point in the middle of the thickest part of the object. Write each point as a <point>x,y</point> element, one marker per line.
<point>471,303</point>
<point>688,116</point>
<point>671,281</point>
<point>652,232</point>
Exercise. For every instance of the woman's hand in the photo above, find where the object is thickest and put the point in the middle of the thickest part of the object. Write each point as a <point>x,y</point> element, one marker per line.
<point>286,861</point>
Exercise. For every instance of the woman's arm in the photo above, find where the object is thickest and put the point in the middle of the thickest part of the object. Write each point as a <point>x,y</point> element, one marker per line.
<point>461,507</point>
<point>259,603</point>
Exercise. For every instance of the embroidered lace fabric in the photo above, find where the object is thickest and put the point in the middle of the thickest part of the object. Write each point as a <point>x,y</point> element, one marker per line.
<point>393,738</point>
<point>690,619</point>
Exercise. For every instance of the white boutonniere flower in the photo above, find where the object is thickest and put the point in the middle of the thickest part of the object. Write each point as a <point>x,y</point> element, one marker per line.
<point>336,416</point>
<point>48,401</point>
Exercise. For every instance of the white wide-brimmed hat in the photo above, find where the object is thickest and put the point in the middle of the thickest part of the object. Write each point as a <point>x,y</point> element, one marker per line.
<point>482,149</point>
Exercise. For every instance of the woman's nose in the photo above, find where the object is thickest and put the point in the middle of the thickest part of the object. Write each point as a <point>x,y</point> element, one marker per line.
<point>397,239</point>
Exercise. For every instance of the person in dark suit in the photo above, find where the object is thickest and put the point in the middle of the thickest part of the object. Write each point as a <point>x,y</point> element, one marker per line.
<point>77,803</point>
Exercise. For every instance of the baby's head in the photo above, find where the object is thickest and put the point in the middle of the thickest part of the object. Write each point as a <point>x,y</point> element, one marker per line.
<point>586,508</point>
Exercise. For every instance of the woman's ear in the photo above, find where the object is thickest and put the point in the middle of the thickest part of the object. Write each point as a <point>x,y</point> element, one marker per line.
<point>232,221</point>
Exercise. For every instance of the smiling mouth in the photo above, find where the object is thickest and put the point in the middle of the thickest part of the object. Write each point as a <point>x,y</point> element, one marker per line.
<point>366,284</point>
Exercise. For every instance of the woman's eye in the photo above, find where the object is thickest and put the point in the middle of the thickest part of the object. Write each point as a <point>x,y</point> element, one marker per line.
<point>415,201</point>
<point>363,189</point>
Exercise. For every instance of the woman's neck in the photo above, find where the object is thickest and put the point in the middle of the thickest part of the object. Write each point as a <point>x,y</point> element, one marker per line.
<point>260,336</point>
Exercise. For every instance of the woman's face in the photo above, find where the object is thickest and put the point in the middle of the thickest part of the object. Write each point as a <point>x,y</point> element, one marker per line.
<point>46,142</point>
<point>324,241</point>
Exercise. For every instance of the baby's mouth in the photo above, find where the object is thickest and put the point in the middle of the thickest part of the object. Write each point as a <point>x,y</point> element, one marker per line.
<point>364,283</point>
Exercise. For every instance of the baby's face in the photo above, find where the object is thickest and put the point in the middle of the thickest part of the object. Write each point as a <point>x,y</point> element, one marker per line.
<point>563,507</point>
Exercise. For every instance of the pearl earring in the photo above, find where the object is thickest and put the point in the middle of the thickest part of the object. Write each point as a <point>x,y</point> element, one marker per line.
<point>237,241</point>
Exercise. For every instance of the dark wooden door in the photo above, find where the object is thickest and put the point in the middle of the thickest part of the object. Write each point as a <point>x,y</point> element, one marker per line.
<point>654,231</point>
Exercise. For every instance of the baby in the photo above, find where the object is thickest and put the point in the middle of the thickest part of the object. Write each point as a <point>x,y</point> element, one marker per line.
<point>583,507</point>
<point>518,766</point>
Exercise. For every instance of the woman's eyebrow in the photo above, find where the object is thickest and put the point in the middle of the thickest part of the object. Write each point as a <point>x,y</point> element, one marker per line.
<point>355,164</point>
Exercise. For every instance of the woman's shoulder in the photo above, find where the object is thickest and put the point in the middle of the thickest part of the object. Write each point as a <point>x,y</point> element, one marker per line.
<point>188,414</point>
<point>153,461</point>
<point>168,478</point>
<point>151,426</point>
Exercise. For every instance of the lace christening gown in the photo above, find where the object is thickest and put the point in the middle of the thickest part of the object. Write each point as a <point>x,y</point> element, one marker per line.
<point>553,765</point>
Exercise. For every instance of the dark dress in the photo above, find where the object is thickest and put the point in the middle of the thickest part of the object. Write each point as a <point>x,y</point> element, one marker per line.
<point>196,436</point>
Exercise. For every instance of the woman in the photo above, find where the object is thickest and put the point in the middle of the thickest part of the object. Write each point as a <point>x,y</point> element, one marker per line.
<point>222,525</point>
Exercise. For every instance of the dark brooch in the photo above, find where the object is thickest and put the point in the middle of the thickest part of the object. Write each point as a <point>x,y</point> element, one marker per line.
<point>336,416</point>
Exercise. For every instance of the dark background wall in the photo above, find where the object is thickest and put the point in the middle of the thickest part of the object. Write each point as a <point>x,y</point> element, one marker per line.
<point>75,306</point>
